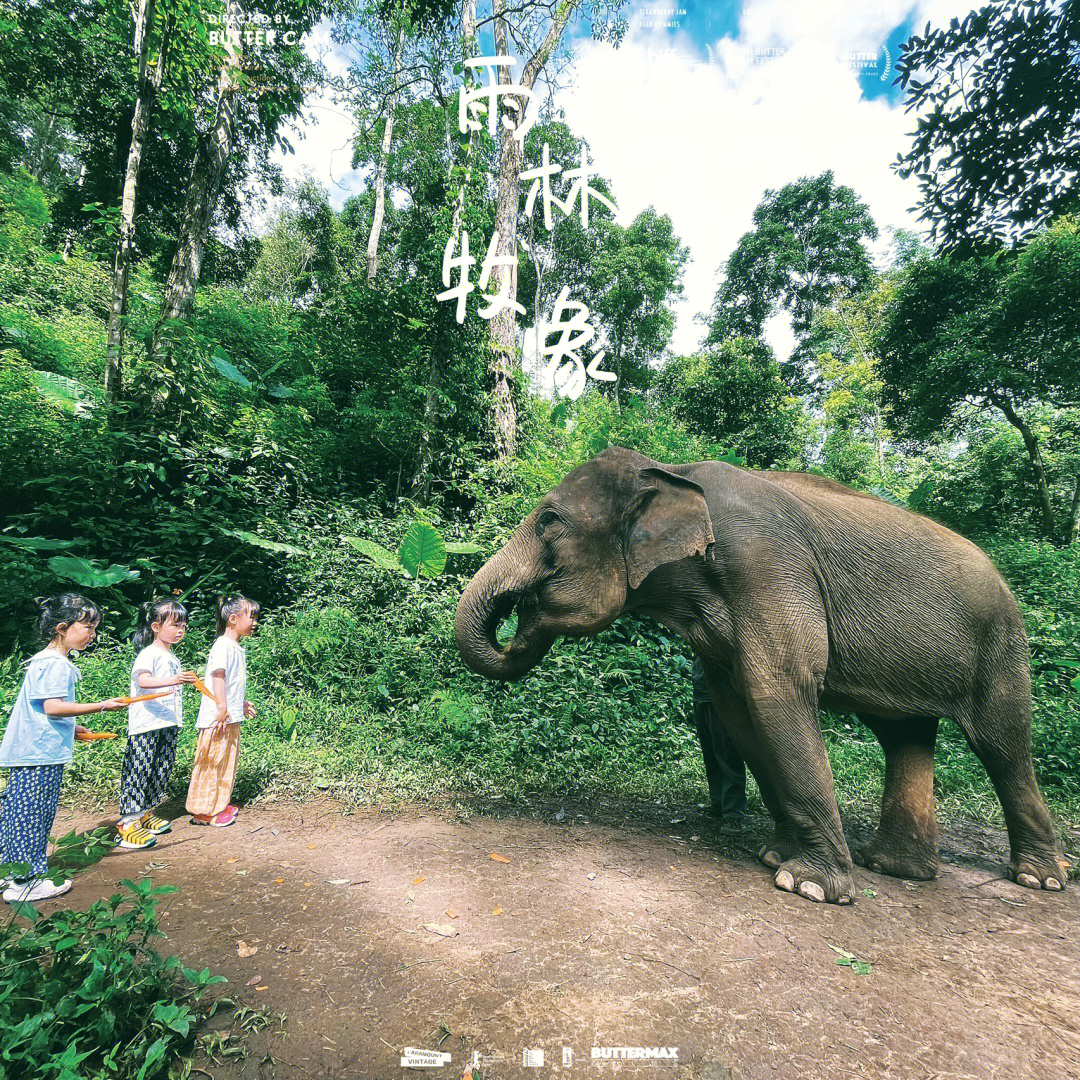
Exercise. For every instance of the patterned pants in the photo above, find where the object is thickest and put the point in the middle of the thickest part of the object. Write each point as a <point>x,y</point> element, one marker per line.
<point>27,814</point>
<point>144,776</point>
<point>214,770</point>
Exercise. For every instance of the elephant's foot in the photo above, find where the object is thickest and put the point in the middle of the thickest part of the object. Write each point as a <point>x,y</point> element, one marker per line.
<point>1039,872</point>
<point>817,883</point>
<point>916,859</point>
<point>779,849</point>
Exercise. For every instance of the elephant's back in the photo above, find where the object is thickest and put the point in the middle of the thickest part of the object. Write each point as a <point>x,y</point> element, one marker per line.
<point>908,602</point>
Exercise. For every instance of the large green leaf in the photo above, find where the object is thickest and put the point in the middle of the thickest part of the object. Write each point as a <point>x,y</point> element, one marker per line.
<point>37,543</point>
<point>385,560</point>
<point>90,574</point>
<point>261,542</point>
<point>229,370</point>
<point>422,551</point>
<point>461,547</point>
<point>64,393</point>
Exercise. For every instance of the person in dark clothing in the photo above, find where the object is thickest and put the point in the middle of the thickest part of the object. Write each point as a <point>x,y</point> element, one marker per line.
<point>724,768</point>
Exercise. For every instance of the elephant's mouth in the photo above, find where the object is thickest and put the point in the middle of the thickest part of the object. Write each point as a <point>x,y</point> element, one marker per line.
<point>505,637</point>
<point>515,619</point>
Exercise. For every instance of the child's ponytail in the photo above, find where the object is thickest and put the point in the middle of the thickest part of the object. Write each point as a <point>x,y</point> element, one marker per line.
<point>227,606</point>
<point>158,611</point>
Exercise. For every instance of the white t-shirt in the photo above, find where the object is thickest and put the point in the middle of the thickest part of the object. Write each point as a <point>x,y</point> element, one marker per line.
<point>228,656</point>
<point>163,711</point>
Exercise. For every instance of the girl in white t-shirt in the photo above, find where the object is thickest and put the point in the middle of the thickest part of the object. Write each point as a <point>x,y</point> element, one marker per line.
<point>153,726</point>
<point>214,770</point>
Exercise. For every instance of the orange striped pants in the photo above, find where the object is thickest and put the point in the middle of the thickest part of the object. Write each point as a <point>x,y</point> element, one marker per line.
<point>214,770</point>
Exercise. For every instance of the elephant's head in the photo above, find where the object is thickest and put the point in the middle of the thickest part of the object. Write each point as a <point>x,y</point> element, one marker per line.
<point>569,566</point>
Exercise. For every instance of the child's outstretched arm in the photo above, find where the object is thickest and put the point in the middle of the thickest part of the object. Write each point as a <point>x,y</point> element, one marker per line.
<point>146,681</point>
<point>61,707</point>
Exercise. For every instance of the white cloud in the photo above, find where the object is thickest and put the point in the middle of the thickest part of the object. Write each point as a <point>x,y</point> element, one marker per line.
<point>701,141</point>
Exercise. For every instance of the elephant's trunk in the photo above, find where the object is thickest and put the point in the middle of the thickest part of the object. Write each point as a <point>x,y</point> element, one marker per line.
<point>504,582</point>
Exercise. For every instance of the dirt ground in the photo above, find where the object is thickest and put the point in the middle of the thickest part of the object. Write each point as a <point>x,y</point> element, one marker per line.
<point>607,925</point>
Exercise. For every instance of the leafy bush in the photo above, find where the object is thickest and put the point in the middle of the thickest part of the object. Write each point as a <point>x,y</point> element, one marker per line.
<point>85,996</point>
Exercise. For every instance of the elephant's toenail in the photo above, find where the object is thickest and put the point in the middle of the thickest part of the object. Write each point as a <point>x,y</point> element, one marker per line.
<point>771,859</point>
<point>785,881</point>
<point>845,899</point>
<point>1029,881</point>
<point>812,891</point>
<point>1052,884</point>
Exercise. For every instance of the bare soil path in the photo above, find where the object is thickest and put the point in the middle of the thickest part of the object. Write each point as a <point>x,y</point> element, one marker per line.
<point>609,926</point>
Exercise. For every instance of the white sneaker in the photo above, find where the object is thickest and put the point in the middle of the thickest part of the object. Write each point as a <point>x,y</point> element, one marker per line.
<point>30,892</point>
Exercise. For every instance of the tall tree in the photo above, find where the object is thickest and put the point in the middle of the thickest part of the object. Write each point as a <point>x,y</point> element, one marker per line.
<point>148,84</point>
<point>537,30</point>
<point>261,81</point>
<point>997,146</point>
<point>997,331</point>
<point>806,246</point>
<point>636,275</point>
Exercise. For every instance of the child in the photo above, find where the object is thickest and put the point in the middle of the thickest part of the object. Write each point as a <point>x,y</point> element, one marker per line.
<point>153,726</point>
<point>214,770</point>
<point>38,740</point>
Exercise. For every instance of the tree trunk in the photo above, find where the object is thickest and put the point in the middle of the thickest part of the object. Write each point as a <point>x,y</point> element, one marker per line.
<point>421,481</point>
<point>1072,533</point>
<point>504,325</point>
<point>69,237</point>
<point>380,171</point>
<point>148,86</point>
<point>207,173</point>
<point>43,142</point>
<point>1031,443</point>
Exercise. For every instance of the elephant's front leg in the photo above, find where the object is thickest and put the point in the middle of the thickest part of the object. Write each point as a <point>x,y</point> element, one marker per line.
<point>814,860</point>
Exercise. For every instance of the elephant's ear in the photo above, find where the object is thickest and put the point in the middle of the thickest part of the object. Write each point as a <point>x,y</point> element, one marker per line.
<point>670,522</point>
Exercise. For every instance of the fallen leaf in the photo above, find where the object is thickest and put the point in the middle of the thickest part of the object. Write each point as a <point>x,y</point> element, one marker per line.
<point>241,873</point>
<point>311,847</point>
<point>671,866</point>
<point>279,881</point>
<point>451,914</point>
<point>590,876</point>
<point>497,911</point>
<point>442,929</point>
<point>244,950</point>
<point>338,881</point>
<point>253,981</point>
<point>232,860</point>
<point>416,881</point>
<point>307,884</point>
<point>259,989</point>
<point>497,857</point>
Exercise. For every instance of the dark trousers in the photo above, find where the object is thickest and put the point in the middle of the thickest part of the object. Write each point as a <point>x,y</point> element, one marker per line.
<point>724,767</point>
<point>144,774</point>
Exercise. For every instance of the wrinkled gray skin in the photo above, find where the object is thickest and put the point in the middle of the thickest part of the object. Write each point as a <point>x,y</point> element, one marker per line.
<point>798,593</point>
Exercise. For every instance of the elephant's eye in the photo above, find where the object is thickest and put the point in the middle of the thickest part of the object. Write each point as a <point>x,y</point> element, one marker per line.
<point>548,523</point>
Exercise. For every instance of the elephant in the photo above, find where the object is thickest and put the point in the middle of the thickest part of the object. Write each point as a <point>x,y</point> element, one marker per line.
<point>797,593</point>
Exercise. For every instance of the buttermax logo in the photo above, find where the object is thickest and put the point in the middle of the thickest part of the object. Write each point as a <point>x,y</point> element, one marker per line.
<point>635,1053</point>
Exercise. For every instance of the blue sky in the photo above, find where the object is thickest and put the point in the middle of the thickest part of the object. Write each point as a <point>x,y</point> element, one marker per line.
<point>699,118</point>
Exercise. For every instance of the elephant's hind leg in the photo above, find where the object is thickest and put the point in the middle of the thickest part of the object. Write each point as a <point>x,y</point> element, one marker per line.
<point>906,843</point>
<point>1000,735</point>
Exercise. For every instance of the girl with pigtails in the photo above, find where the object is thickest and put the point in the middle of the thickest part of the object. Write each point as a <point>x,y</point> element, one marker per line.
<point>154,725</point>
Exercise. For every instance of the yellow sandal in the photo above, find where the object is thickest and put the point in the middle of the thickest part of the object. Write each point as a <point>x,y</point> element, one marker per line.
<point>152,823</point>
<point>131,834</point>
